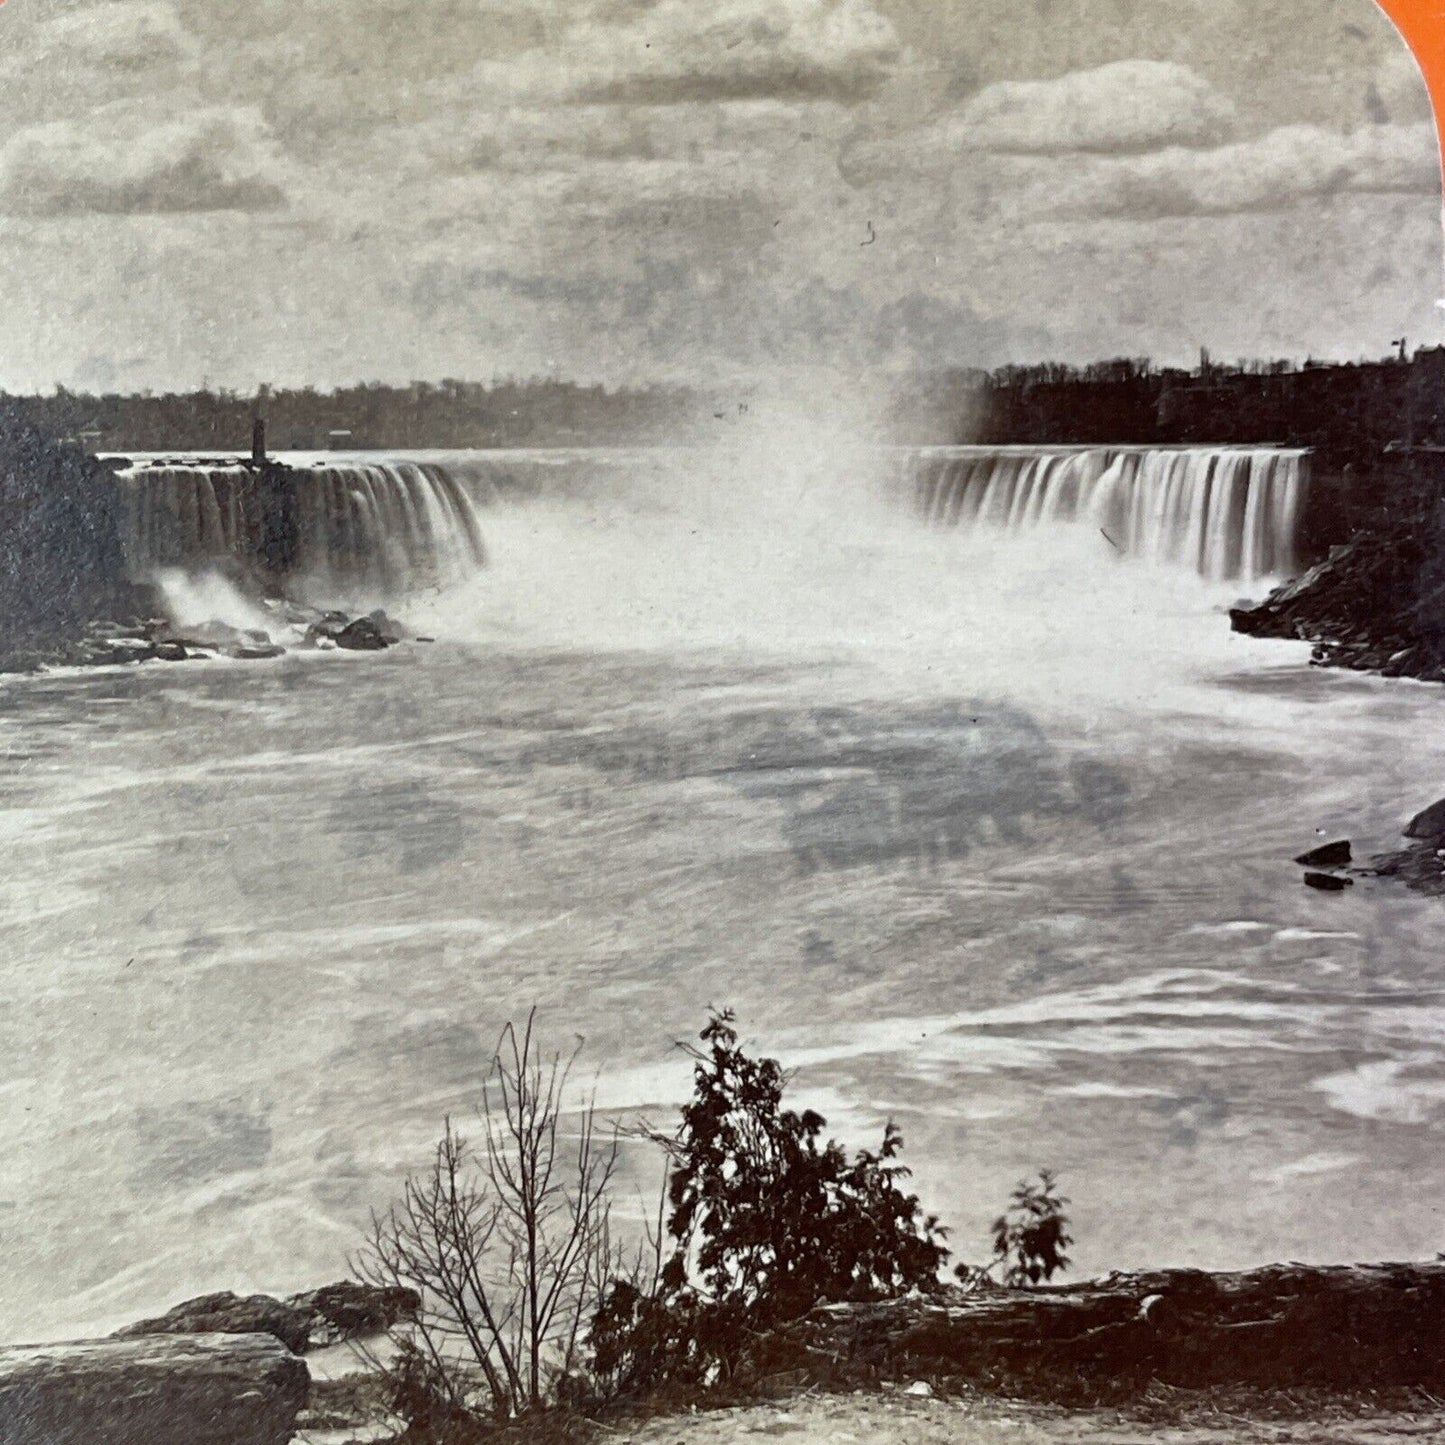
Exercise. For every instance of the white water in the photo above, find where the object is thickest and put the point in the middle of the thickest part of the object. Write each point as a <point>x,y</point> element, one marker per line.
<point>989,832</point>
<point>1225,512</point>
<point>363,527</point>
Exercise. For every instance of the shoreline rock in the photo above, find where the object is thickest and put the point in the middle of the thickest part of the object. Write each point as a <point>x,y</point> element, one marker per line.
<point>108,642</point>
<point>238,1389</point>
<point>1375,604</point>
<point>312,1320</point>
<point>1420,865</point>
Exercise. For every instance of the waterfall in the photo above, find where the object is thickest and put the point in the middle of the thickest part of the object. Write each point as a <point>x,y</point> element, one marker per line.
<point>343,527</point>
<point>362,525</point>
<point>390,526</point>
<point>1225,512</point>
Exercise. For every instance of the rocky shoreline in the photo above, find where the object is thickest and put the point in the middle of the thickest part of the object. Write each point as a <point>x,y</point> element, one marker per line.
<point>1375,604</point>
<point>227,1368</point>
<point>1419,865</point>
<point>145,635</point>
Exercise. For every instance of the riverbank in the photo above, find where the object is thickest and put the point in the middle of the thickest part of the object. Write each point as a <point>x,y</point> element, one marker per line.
<point>894,1417</point>
<point>898,1415</point>
<point>1374,604</point>
<point>1273,1354</point>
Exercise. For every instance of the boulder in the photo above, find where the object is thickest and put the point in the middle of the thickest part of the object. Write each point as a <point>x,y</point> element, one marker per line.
<point>171,652</point>
<point>328,627</point>
<point>194,1390</point>
<point>255,651</point>
<point>389,628</point>
<point>229,1314</point>
<point>1328,855</point>
<point>1328,882</point>
<point>1339,1329</point>
<point>345,1310</point>
<point>363,635</point>
<point>348,1310</point>
<point>1429,825</point>
<point>214,634</point>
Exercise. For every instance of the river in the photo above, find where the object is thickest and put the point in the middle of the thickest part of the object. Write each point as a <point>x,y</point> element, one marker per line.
<point>987,833</point>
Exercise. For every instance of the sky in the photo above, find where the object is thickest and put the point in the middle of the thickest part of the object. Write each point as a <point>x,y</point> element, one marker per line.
<point>318,192</point>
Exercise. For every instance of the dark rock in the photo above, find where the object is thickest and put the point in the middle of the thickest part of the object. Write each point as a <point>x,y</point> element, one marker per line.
<point>1340,1329</point>
<point>345,1310</point>
<point>171,652</point>
<point>1376,603</point>
<point>1328,855</point>
<point>1328,882</point>
<point>329,626</point>
<point>363,635</point>
<point>1404,663</point>
<point>229,1314</point>
<point>200,1390</point>
<point>388,628</point>
<point>1428,825</point>
<point>254,651</point>
<point>110,650</point>
<point>214,634</point>
<point>348,1310</point>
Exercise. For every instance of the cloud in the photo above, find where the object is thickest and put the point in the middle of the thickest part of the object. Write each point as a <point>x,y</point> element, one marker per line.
<point>209,160</point>
<point>1131,105</point>
<point>127,34</point>
<point>676,51</point>
<point>1277,171</point>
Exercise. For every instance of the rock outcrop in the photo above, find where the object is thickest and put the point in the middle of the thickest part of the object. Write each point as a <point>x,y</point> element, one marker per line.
<point>1420,865</point>
<point>1375,604</point>
<point>229,1314</point>
<point>348,1310</point>
<point>244,1389</point>
<point>345,1310</point>
<point>1359,1328</point>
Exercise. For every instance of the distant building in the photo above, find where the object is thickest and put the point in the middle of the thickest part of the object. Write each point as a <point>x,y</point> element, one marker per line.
<point>339,440</point>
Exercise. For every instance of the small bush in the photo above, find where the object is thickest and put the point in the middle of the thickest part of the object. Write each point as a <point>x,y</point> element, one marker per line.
<point>1030,1237</point>
<point>766,1221</point>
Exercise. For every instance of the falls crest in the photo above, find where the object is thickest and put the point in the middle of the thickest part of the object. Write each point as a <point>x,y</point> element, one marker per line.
<point>1224,512</point>
<point>339,528</point>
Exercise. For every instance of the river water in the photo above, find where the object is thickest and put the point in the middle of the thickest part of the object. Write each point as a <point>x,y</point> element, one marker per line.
<point>986,834</point>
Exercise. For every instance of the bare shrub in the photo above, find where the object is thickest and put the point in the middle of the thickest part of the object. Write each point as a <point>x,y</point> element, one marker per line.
<point>508,1244</point>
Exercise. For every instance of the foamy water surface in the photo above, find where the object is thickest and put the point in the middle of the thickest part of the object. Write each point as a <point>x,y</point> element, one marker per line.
<point>990,836</point>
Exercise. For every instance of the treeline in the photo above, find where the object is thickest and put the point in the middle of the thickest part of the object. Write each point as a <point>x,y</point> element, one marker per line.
<point>1345,408</point>
<point>1342,408</point>
<point>450,413</point>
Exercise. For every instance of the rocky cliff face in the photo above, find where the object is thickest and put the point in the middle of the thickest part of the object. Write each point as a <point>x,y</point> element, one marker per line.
<point>1376,603</point>
<point>60,552</point>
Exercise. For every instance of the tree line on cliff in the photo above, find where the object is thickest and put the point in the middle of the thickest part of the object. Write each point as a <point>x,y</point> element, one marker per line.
<point>1337,407</point>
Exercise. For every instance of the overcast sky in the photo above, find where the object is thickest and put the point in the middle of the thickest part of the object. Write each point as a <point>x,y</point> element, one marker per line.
<point>321,191</point>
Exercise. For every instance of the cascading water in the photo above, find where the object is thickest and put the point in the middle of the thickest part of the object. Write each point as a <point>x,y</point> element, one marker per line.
<point>1224,512</point>
<point>343,526</point>
<point>390,526</point>
<point>359,525</point>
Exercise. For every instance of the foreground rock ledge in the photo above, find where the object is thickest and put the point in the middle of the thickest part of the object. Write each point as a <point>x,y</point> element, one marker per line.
<point>1350,1329</point>
<point>166,1390</point>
